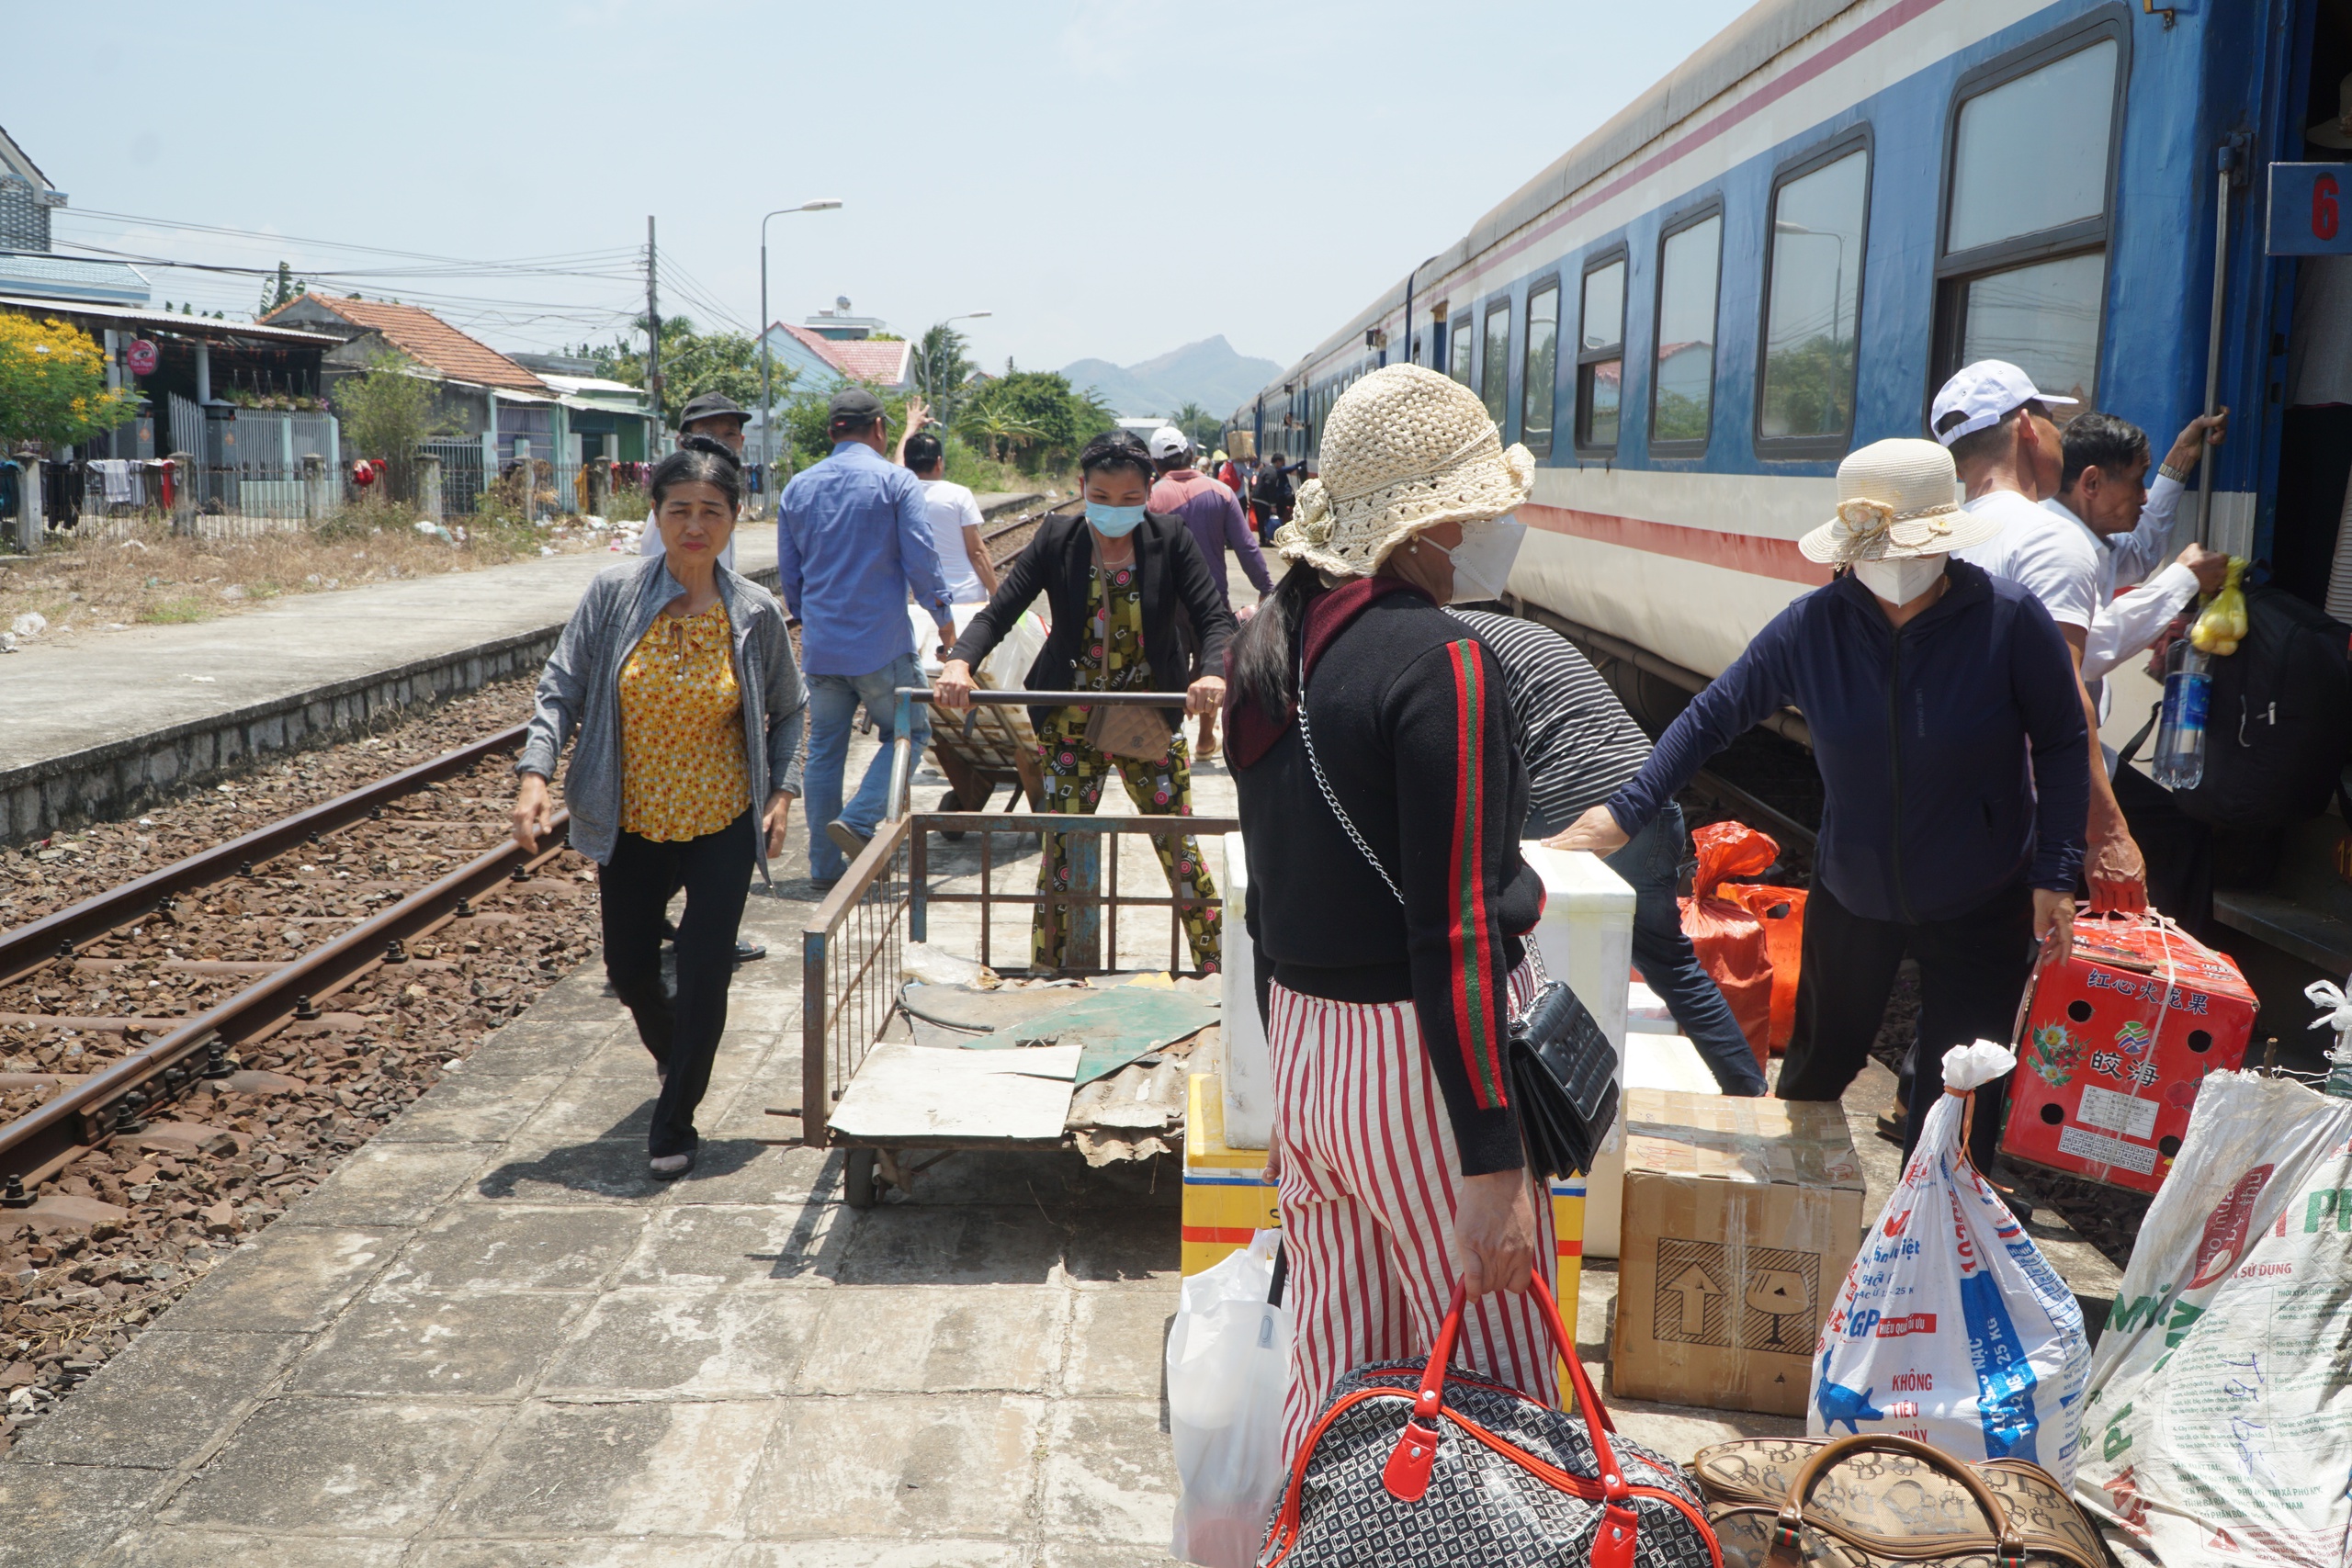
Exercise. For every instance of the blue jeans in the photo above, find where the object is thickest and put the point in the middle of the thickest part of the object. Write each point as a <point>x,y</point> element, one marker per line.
<point>1651,863</point>
<point>833,706</point>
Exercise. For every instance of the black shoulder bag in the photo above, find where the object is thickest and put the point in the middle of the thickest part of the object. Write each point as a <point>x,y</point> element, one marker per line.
<point>1563,1069</point>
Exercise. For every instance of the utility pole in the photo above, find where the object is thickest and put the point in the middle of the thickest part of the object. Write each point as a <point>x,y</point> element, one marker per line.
<point>653,343</point>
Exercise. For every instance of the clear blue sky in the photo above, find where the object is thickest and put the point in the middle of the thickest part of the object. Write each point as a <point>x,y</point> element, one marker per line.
<point>1110,177</point>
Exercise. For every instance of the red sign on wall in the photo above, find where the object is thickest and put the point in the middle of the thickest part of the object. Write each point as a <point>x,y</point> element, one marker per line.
<point>141,356</point>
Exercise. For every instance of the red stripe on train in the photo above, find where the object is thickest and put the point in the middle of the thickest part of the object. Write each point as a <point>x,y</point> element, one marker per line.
<point>1736,552</point>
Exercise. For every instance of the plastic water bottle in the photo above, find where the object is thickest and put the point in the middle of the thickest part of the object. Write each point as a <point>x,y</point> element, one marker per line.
<point>2180,733</point>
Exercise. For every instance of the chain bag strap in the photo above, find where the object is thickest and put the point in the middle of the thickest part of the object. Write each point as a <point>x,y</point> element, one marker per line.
<point>1347,823</point>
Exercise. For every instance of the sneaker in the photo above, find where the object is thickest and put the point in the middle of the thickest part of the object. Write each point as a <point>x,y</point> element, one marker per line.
<point>846,838</point>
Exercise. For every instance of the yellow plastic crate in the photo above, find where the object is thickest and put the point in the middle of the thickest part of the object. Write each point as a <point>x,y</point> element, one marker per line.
<point>1225,1195</point>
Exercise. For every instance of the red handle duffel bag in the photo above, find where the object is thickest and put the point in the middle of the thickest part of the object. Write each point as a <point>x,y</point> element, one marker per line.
<point>1409,1465</point>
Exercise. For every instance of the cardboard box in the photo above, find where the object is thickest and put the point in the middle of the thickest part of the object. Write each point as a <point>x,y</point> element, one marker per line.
<point>2115,1045</point>
<point>1741,1218</point>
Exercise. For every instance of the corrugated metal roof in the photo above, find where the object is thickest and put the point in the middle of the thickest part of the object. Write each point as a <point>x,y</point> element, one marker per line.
<point>39,274</point>
<point>170,322</point>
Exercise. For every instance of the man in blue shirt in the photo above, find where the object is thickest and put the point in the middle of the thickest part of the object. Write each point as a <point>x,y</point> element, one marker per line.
<point>852,541</point>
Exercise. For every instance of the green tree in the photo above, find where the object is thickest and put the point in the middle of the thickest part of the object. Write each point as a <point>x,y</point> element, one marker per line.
<point>386,411</point>
<point>1197,423</point>
<point>282,289</point>
<point>940,369</point>
<point>1033,418</point>
<point>693,363</point>
<point>53,383</point>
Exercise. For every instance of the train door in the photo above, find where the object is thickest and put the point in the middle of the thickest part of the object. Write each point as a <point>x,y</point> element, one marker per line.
<point>2311,541</point>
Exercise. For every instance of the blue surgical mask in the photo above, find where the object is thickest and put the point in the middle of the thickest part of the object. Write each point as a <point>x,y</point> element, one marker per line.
<point>1116,522</point>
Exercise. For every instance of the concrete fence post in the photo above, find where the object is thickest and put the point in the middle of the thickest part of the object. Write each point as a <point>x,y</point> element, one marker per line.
<point>600,488</point>
<point>428,485</point>
<point>316,502</point>
<point>27,524</point>
<point>183,493</point>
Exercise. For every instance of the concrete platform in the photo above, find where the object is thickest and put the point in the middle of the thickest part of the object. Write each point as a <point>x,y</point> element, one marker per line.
<point>92,727</point>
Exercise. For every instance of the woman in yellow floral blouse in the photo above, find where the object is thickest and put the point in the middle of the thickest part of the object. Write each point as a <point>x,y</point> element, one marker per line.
<point>680,678</point>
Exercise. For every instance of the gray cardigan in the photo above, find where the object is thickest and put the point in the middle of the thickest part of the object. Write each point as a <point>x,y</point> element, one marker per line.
<point>581,688</point>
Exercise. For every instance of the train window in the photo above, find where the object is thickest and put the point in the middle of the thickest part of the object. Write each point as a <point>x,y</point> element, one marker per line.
<point>1682,387</point>
<point>2032,153</point>
<point>1462,346</point>
<point>1539,362</point>
<point>2022,273</point>
<point>1600,354</point>
<point>1494,371</point>
<point>1813,305</point>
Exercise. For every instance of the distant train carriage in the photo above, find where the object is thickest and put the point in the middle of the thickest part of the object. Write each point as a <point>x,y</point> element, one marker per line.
<point>1779,252</point>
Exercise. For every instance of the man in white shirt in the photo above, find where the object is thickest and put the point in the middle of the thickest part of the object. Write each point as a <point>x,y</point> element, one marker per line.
<point>2102,488</point>
<point>955,521</point>
<point>2007,450</point>
<point>722,419</point>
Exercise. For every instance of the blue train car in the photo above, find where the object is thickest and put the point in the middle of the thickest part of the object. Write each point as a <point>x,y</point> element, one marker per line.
<point>1778,253</point>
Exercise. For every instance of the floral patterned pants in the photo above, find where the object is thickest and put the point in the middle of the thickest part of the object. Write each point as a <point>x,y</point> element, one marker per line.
<point>1075,773</point>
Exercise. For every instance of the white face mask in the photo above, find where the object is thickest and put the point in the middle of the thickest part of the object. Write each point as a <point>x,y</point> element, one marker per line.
<point>1899,581</point>
<point>1482,561</point>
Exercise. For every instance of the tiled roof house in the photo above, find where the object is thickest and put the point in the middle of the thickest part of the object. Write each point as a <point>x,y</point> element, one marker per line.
<point>419,334</point>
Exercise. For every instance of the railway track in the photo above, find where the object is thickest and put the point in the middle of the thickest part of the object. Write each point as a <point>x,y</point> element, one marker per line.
<point>186,1052</point>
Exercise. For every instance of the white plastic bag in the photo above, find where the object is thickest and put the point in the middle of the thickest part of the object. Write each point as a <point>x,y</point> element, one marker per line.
<point>2220,1415</point>
<point>1228,1364</point>
<point>1952,1327</point>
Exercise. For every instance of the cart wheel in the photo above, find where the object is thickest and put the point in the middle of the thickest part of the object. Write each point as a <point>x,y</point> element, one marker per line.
<point>952,801</point>
<point>857,1179</point>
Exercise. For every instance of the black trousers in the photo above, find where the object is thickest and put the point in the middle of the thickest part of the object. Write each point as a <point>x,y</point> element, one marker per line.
<point>2177,848</point>
<point>635,888</point>
<point>1973,970</point>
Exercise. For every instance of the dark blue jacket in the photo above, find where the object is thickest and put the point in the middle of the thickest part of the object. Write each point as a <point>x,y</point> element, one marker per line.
<point>1953,753</point>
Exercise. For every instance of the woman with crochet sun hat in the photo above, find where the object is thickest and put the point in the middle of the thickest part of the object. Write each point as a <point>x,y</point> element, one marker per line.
<point>1954,764</point>
<point>1388,901</point>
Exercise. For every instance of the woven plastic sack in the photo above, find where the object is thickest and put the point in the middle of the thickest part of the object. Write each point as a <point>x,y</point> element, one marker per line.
<point>1730,940</point>
<point>1228,1365</point>
<point>1951,1327</point>
<point>2219,1424</point>
<point>1781,911</point>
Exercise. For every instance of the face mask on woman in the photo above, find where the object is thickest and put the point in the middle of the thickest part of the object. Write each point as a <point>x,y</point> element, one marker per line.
<point>1482,561</point>
<point>1114,522</point>
<point>1899,581</point>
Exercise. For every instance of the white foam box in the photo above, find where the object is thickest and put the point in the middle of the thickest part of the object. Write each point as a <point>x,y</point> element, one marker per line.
<point>1651,1061</point>
<point>1246,1074</point>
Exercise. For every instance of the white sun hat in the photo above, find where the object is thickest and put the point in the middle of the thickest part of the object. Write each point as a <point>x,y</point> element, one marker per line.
<point>1404,449</point>
<point>1984,392</point>
<point>1896,500</point>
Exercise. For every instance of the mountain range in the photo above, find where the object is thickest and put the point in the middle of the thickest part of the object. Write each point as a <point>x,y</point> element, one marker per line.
<point>1208,373</point>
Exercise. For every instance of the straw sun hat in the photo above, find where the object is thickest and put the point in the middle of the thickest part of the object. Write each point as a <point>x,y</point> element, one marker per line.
<point>1405,450</point>
<point>1896,500</point>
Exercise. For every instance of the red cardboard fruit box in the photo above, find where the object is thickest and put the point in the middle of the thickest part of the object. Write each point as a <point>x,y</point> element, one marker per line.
<point>2115,1045</point>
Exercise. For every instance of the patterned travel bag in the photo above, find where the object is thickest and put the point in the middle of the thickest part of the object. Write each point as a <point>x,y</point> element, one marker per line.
<point>1879,1501</point>
<point>1414,1464</point>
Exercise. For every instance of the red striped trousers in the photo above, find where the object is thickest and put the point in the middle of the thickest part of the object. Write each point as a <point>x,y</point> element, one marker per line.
<point>1370,1176</point>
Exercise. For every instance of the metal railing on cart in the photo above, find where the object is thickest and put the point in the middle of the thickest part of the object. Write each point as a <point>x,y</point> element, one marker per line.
<point>853,948</point>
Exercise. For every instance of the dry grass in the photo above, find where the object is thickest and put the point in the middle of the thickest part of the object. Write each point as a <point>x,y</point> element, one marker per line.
<point>90,586</point>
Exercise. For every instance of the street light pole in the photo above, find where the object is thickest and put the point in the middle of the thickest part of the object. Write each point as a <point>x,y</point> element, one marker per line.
<point>767,408</point>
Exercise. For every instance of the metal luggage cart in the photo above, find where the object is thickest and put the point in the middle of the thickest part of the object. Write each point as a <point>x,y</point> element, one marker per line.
<point>852,947</point>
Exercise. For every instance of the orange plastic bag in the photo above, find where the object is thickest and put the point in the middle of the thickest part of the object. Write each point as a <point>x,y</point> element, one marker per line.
<point>1731,941</point>
<point>1781,912</point>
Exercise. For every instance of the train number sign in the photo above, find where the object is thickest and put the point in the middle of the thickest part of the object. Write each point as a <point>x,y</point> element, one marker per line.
<point>2311,209</point>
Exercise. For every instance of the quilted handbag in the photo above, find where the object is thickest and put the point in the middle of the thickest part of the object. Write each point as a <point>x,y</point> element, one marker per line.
<point>1414,1464</point>
<point>1877,1500</point>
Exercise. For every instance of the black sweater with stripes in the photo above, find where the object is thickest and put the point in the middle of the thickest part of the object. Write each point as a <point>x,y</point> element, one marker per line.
<point>1408,717</point>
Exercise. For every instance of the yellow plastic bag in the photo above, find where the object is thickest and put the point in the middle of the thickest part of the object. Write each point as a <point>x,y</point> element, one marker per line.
<point>2222,626</point>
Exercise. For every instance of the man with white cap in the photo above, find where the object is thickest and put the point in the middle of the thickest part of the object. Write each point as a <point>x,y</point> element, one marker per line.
<point>1213,517</point>
<point>1953,765</point>
<point>2009,454</point>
